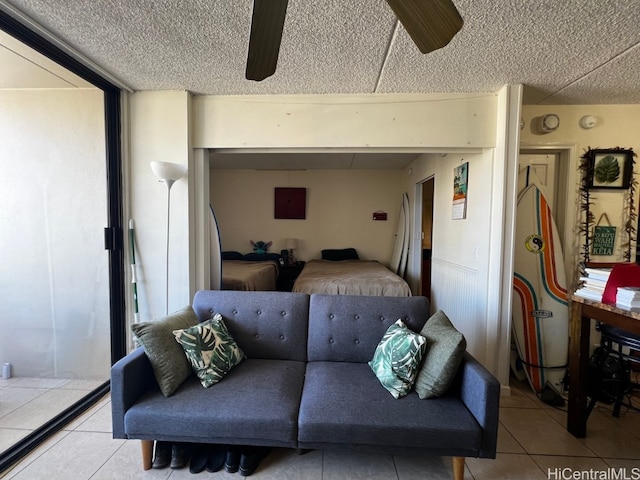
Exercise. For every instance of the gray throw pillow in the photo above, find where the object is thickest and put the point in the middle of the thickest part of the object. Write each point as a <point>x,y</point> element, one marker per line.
<point>170,366</point>
<point>397,359</point>
<point>210,348</point>
<point>445,348</point>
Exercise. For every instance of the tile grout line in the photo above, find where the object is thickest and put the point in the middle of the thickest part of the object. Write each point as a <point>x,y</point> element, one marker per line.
<point>107,459</point>
<point>512,436</point>
<point>19,467</point>
<point>45,391</point>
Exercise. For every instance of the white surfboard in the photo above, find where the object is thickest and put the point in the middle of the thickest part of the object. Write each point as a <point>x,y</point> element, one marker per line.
<point>215,252</point>
<point>398,244</point>
<point>404,257</point>
<point>540,307</point>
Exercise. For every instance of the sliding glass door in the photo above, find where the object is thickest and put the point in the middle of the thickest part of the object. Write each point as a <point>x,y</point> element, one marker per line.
<point>62,291</point>
<point>55,275</point>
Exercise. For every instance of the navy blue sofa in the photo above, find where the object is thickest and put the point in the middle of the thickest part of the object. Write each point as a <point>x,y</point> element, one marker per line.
<point>306,384</point>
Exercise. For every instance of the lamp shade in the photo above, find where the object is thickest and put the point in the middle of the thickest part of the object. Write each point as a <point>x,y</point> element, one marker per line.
<point>291,243</point>
<point>168,171</point>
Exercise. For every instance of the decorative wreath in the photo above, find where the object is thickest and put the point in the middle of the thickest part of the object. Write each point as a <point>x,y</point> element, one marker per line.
<point>587,218</point>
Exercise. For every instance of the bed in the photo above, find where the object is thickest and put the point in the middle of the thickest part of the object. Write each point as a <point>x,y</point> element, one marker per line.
<point>249,273</point>
<point>350,277</point>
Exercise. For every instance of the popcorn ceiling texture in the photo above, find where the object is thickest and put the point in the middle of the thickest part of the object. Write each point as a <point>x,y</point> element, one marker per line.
<point>570,51</point>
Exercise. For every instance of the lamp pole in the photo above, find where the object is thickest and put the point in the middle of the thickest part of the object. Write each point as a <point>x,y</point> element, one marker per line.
<point>169,173</point>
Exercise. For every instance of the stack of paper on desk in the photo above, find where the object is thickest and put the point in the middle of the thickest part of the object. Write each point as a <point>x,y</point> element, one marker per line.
<point>593,283</point>
<point>628,297</point>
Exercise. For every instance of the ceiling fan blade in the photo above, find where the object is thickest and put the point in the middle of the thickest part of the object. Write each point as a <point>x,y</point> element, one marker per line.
<point>431,24</point>
<point>267,24</point>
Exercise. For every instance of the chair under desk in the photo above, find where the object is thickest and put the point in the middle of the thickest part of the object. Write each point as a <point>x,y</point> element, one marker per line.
<point>582,311</point>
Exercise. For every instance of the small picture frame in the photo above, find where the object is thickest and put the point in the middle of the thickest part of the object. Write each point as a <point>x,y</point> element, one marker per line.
<point>610,169</point>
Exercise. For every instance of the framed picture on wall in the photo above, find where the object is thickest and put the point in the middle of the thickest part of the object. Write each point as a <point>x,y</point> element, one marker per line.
<point>290,203</point>
<point>460,179</point>
<point>610,169</point>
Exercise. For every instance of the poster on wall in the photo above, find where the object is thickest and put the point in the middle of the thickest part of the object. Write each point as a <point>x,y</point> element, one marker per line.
<point>460,177</point>
<point>604,239</point>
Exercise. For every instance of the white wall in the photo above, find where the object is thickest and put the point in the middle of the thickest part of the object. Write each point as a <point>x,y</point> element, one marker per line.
<point>159,130</point>
<point>340,205</point>
<point>416,121</point>
<point>471,258</point>
<point>54,284</point>
<point>618,126</point>
<point>460,248</point>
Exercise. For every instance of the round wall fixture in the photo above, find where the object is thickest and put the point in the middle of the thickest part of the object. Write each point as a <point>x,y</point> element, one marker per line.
<point>588,121</point>
<point>549,122</point>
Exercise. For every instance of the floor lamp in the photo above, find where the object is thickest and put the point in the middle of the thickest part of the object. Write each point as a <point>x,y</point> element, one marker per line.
<point>168,173</point>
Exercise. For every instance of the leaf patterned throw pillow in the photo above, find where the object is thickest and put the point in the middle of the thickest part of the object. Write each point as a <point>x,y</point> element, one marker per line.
<point>397,358</point>
<point>210,348</point>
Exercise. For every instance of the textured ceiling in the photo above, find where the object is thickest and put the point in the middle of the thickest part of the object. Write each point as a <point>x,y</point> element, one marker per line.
<point>564,52</point>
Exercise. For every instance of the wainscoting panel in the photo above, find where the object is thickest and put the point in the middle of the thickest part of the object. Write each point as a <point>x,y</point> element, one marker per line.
<point>458,292</point>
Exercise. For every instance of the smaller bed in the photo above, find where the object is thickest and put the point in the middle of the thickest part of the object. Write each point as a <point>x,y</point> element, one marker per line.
<point>249,272</point>
<point>350,277</point>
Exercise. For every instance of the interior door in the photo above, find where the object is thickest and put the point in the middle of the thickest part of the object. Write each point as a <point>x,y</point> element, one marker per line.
<point>544,168</point>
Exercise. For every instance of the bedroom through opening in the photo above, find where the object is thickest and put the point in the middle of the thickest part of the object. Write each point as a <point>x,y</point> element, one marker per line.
<point>343,191</point>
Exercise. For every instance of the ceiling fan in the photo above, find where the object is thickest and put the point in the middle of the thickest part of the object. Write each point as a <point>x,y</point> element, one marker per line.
<point>431,24</point>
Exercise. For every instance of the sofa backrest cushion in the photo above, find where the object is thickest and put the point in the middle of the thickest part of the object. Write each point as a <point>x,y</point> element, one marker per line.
<point>267,325</point>
<point>348,328</point>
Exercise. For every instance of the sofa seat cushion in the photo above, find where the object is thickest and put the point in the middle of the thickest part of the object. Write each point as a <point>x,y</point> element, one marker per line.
<point>343,404</point>
<point>254,404</point>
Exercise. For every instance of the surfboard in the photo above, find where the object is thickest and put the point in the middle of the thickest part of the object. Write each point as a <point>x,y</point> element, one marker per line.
<point>215,253</point>
<point>398,244</point>
<point>404,257</point>
<point>540,308</point>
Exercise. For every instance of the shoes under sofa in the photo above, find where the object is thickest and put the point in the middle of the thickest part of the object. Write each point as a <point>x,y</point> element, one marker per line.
<point>306,384</point>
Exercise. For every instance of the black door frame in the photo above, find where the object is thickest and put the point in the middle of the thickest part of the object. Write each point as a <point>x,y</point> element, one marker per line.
<point>113,231</point>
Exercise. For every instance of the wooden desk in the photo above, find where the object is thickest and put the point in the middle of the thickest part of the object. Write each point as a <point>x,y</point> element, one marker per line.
<point>582,311</point>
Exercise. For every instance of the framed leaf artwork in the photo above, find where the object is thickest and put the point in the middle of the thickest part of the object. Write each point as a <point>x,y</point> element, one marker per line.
<point>600,169</point>
<point>610,169</point>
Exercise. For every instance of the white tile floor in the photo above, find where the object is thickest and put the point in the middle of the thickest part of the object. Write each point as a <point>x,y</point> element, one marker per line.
<point>26,403</point>
<point>532,443</point>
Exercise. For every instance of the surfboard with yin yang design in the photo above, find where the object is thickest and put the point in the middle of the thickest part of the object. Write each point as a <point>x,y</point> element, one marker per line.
<point>540,321</point>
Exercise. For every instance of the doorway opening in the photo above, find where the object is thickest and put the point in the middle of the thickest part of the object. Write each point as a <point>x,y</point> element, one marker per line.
<point>551,165</point>
<point>427,236</point>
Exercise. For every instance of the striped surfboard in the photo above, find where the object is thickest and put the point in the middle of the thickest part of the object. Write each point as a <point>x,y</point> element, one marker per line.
<point>540,308</point>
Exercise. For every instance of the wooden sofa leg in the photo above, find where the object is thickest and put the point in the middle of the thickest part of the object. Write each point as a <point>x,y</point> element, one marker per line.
<point>458,468</point>
<point>147,453</point>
